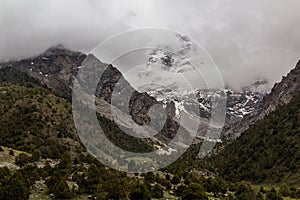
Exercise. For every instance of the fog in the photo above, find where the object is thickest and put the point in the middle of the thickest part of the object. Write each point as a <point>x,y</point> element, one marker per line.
<point>246,39</point>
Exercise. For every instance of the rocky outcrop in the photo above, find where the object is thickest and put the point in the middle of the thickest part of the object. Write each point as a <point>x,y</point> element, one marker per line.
<point>281,94</point>
<point>116,90</point>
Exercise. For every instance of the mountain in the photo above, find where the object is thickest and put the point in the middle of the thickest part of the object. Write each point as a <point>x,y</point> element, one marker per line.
<point>36,121</point>
<point>38,136</point>
<point>170,68</point>
<point>38,128</point>
<point>281,94</point>
<point>268,152</point>
<point>57,68</point>
<point>239,103</point>
<point>267,149</point>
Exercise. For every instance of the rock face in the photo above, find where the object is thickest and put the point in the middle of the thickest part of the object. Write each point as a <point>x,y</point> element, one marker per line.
<point>57,69</point>
<point>281,94</point>
<point>239,103</point>
<point>115,90</point>
<point>139,105</point>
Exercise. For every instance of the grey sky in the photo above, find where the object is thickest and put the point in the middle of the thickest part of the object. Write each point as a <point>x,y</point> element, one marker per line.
<point>246,39</point>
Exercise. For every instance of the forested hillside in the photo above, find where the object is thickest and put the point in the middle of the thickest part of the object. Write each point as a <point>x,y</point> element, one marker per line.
<point>268,152</point>
<point>36,121</point>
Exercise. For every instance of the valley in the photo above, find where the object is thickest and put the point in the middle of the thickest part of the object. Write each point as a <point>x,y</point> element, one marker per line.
<point>42,156</point>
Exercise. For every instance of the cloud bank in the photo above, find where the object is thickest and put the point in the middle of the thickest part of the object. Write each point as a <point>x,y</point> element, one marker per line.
<point>246,39</point>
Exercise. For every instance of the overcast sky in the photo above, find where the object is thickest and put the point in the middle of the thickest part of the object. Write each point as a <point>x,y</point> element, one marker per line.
<point>247,39</point>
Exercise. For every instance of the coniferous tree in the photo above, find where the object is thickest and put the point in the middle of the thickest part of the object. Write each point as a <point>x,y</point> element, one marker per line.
<point>140,192</point>
<point>194,192</point>
<point>62,190</point>
<point>273,195</point>
<point>157,191</point>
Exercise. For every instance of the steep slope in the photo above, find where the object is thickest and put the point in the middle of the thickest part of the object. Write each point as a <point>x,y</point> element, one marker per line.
<point>268,151</point>
<point>35,120</point>
<point>281,94</point>
<point>14,76</point>
<point>57,68</point>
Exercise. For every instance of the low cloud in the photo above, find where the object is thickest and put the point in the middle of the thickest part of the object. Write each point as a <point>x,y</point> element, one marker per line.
<point>246,39</point>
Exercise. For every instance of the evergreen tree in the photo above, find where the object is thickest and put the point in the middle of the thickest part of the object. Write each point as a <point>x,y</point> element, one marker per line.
<point>175,180</point>
<point>22,159</point>
<point>11,152</point>
<point>15,188</point>
<point>273,195</point>
<point>157,191</point>
<point>284,190</point>
<point>140,192</point>
<point>295,193</point>
<point>62,190</point>
<point>245,192</point>
<point>259,196</point>
<point>194,192</point>
<point>219,187</point>
<point>179,190</point>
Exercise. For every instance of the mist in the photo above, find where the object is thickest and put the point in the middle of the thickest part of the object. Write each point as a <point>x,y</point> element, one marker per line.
<point>246,39</point>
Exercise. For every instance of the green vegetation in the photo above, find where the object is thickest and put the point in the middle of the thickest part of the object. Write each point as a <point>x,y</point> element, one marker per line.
<point>268,152</point>
<point>123,140</point>
<point>32,120</point>
<point>13,76</point>
<point>46,160</point>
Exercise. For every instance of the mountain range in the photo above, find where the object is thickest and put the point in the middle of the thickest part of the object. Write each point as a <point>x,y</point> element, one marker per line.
<point>259,142</point>
<point>57,67</point>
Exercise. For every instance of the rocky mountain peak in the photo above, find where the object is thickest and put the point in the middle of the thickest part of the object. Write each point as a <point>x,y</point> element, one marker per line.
<point>58,50</point>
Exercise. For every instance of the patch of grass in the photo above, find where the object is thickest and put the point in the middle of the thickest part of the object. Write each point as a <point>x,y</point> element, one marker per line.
<point>9,160</point>
<point>38,196</point>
